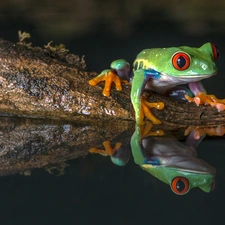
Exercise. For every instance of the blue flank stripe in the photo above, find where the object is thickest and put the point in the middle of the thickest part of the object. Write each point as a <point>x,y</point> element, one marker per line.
<point>152,161</point>
<point>151,74</point>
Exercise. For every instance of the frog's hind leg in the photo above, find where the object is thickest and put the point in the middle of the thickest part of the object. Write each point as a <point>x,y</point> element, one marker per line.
<point>140,104</point>
<point>201,97</point>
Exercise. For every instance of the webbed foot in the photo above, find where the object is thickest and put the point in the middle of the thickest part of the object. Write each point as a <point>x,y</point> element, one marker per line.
<point>145,109</point>
<point>146,131</point>
<point>202,98</point>
<point>108,150</point>
<point>202,131</point>
<point>109,77</point>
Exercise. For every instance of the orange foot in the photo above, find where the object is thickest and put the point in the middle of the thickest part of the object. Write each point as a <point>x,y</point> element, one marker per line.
<point>108,149</point>
<point>210,131</point>
<point>109,77</point>
<point>146,106</point>
<point>202,98</point>
<point>146,131</point>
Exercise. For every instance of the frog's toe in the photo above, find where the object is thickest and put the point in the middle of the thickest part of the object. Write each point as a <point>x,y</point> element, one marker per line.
<point>202,98</point>
<point>146,106</point>
<point>96,80</point>
<point>218,103</point>
<point>109,77</point>
<point>93,82</point>
<point>156,105</point>
<point>108,150</point>
<point>146,131</point>
<point>220,106</point>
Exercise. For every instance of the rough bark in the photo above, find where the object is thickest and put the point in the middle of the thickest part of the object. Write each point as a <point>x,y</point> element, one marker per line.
<point>51,83</point>
<point>178,112</point>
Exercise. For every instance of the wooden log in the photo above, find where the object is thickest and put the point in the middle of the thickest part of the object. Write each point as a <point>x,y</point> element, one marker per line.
<point>51,83</point>
<point>179,112</point>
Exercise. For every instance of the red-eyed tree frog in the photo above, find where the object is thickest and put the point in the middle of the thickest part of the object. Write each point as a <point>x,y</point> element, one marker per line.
<point>169,160</point>
<point>160,69</point>
<point>172,162</point>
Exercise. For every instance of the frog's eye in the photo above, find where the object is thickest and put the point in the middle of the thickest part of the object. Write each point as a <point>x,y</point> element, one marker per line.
<point>180,185</point>
<point>215,52</point>
<point>181,61</point>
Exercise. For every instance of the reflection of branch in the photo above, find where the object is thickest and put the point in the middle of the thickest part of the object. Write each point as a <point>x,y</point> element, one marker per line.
<point>51,83</point>
<point>33,143</point>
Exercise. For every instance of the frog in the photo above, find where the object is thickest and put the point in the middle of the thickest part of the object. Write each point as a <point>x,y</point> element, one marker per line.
<point>161,155</point>
<point>172,162</point>
<point>160,70</point>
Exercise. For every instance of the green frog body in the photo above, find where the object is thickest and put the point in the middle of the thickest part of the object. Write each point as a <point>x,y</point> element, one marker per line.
<point>161,69</point>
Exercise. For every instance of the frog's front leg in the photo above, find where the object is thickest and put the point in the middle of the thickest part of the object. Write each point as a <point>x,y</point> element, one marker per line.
<point>201,96</point>
<point>119,73</point>
<point>140,104</point>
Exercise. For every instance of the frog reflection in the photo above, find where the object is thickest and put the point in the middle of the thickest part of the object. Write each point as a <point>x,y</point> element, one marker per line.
<point>172,162</point>
<point>119,155</point>
<point>167,159</point>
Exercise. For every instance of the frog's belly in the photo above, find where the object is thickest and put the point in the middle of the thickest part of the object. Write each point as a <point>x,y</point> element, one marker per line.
<point>160,87</point>
<point>165,83</point>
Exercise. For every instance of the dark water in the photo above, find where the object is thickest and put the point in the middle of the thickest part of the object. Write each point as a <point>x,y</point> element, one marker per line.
<point>95,191</point>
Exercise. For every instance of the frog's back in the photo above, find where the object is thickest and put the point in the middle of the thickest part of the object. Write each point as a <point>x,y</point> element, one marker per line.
<point>143,59</point>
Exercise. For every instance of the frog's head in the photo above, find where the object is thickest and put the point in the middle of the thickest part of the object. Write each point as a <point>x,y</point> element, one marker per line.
<point>182,62</point>
<point>172,162</point>
<point>177,165</point>
<point>181,181</point>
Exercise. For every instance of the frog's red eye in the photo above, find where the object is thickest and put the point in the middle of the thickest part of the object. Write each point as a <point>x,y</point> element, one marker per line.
<point>180,185</point>
<point>181,61</point>
<point>215,52</point>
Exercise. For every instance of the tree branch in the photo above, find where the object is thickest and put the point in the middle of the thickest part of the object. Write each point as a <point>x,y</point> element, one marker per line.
<point>51,83</point>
